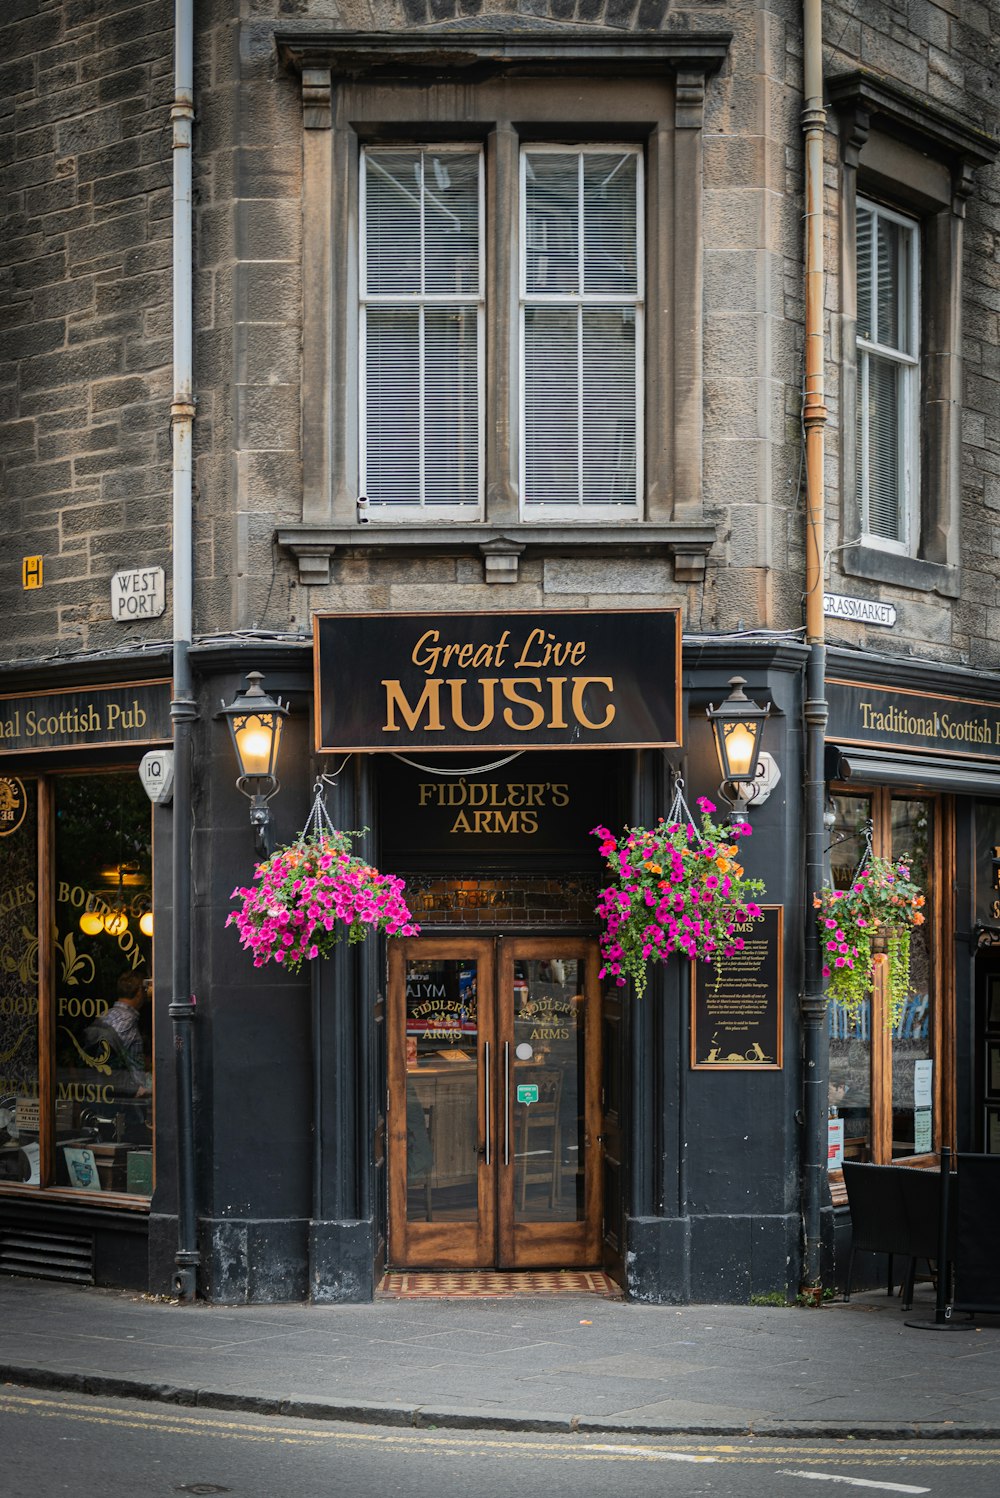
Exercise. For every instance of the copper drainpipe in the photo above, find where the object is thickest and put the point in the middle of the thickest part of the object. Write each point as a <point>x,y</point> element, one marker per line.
<point>812,1001</point>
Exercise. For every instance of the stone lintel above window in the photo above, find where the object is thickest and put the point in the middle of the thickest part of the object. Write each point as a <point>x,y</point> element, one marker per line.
<point>438,55</point>
<point>500,547</point>
<point>870,103</point>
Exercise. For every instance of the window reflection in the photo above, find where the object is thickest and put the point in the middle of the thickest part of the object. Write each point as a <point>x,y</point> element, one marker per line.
<point>548,1095</point>
<point>883,1085</point>
<point>19,1102</point>
<point>102,989</point>
<point>442,1031</point>
<point>912,1066</point>
<point>850,1037</point>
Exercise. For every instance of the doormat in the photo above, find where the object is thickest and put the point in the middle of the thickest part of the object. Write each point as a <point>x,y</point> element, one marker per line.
<point>486,1284</point>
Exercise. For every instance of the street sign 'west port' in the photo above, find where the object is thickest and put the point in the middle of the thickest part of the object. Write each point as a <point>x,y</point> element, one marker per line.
<point>140,594</point>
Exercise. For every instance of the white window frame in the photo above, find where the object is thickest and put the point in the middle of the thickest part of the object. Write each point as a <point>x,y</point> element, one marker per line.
<point>906,358</point>
<point>422,510</point>
<point>540,510</point>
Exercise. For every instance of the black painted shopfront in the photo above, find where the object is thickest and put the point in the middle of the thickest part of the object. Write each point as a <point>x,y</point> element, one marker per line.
<point>343,1117</point>
<point>914,757</point>
<point>680,1180</point>
<point>77,921</point>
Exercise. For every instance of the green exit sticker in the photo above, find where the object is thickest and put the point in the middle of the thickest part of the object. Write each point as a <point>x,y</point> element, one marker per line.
<point>527,1092</point>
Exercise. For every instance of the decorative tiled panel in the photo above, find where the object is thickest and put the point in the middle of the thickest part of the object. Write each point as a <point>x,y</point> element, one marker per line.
<point>492,1283</point>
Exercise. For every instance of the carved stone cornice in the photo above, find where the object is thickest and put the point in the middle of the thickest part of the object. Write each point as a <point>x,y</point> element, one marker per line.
<point>500,546</point>
<point>432,55</point>
<point>870,103</point>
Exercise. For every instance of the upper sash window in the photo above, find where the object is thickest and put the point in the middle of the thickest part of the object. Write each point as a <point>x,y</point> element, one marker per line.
<point>887,377</point>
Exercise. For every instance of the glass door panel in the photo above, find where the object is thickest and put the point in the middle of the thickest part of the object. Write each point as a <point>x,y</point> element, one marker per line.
<point>494,1103</point>
<point>548,1128</point>
<point>548,1005</point>
<point>441,1105</point>
<point>442,1147</point>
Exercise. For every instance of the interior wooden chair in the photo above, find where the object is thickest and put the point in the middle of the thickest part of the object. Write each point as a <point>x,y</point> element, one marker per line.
<point>538,1138</point>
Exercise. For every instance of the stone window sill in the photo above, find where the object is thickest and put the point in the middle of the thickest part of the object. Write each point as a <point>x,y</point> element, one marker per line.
<point>501,547</point>
<point>902,572</point>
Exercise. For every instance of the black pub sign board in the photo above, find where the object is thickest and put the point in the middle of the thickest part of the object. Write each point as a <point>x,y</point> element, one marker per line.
<point>94,717</point>
<point>588,679</point>
<point>538,808</point>
<point>902,718</point>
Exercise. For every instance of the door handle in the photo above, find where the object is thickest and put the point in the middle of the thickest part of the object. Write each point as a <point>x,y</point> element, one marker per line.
<point>506,1102</point>
<point>486,1078</point>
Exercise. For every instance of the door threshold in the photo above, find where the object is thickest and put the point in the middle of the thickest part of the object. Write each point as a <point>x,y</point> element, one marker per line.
<point>494,1284</point>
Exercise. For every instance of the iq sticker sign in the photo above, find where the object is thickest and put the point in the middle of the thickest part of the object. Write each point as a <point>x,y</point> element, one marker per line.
<point>527,1092</point>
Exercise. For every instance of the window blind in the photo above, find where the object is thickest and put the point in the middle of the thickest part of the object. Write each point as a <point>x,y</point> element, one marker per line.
<point>886,248</point>
<point>421,329</point>
<point>581,318</point>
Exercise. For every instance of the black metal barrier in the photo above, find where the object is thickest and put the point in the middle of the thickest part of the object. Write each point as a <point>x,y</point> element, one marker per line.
<point>977,1234</point>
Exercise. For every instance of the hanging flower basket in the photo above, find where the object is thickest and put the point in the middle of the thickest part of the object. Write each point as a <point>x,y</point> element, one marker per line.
<point>868,925</point>
<point>307,896</point>
<point>679,887</point>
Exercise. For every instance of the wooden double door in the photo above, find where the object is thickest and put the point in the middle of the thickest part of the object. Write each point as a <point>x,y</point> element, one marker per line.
<point>494,1103</point>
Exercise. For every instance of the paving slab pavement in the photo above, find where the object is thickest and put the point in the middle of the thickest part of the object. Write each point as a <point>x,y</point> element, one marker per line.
<point>565,1362</point>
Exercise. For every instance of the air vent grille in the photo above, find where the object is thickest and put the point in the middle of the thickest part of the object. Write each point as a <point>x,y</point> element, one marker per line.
<point>48,1256</point>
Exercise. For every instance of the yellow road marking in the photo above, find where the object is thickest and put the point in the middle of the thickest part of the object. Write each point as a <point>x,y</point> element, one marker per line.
<point>293,1432</point>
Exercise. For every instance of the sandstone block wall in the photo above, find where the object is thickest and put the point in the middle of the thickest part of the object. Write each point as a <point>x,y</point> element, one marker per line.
<point>85,368</point>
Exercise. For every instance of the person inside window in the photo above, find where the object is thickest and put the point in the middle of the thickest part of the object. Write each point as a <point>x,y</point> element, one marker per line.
<point>122,1030</point>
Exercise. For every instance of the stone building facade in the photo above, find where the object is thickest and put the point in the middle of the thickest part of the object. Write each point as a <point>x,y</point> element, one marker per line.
<point>278,1145</point>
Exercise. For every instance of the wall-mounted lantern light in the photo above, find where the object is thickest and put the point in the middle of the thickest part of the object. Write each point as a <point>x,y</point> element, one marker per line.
<point>255,721</point>
<point>738,724</point>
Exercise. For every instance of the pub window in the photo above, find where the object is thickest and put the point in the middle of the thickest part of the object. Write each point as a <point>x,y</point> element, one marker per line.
<point>888,1084</point>
<point>887,378</point>
<point>421,330</point>
<point>581,329</point>
<point>907,174</point>
<point>425,323</point>
<point>76,1090</point>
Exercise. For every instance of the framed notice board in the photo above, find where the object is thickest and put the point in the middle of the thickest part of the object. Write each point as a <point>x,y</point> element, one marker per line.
<point>736,1010</point>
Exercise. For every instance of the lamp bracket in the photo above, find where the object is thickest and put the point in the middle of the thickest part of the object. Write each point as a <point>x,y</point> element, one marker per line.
<point>260,821</point>
<point>258,787</point>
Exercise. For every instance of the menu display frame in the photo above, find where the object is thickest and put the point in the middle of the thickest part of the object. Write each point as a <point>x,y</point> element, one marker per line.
<point>745,1043</point>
